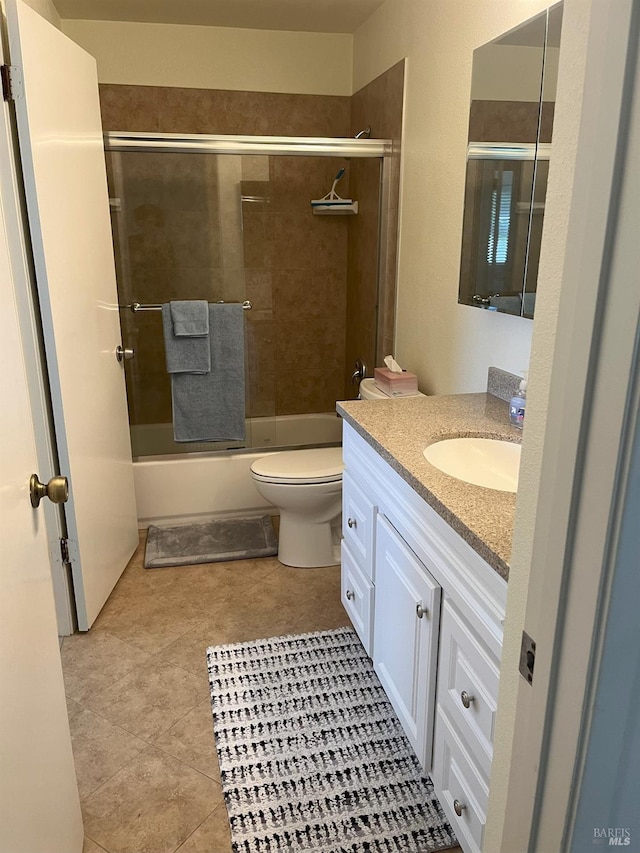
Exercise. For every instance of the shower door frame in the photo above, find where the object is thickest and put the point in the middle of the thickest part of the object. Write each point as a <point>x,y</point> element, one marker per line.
<point>302,146</point>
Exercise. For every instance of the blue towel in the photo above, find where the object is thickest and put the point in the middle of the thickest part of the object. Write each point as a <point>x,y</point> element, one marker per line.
<point>184,354</point>
<point>210,407</point>
<point>190,318</point>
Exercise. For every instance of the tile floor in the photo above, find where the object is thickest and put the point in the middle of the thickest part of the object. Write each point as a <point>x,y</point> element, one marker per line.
<point>138,694</point>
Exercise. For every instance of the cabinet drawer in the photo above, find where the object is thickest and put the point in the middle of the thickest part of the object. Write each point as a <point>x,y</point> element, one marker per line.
<point>468,675</point>
<point>457,781</point>
<point>357,598</point>
<point>358,523</point>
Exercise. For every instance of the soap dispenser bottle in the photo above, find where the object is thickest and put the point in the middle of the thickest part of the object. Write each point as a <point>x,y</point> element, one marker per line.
<point>518,404</point>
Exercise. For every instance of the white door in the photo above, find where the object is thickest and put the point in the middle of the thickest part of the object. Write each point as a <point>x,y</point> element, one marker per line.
<point>39,802</point>
<point>60,133</point>
<point>405,636</point>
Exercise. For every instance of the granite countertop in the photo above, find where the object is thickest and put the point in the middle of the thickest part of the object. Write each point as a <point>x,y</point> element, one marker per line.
<point>399,429</point>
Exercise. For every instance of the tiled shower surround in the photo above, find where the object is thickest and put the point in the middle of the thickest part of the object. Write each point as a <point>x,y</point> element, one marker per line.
<point>240,227</point>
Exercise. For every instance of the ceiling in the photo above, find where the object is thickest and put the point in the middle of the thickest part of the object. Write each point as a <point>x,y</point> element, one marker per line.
<point>323,16</point>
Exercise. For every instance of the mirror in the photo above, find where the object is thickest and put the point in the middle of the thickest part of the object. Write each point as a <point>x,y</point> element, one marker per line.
<point>513,91</point>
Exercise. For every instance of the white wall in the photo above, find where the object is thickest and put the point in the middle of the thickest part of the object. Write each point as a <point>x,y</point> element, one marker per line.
<point>217,57</point>
<point>47,10</point>
<point>449,346</point>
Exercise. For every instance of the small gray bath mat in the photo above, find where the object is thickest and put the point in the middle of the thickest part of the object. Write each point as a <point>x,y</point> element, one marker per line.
<point>224,539</point>
<point>312,756</point>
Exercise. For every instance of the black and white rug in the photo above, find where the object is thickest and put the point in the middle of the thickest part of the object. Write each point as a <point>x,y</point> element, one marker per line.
<point>312,756</point>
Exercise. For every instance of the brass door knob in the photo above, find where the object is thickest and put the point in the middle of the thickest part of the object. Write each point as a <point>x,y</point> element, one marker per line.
<point>57,490</point>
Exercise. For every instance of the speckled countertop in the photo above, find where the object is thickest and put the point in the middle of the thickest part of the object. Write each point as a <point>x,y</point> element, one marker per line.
<point>399,429</point>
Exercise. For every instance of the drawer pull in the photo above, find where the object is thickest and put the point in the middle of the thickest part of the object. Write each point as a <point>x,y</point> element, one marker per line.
<point>351,522</point>
<point>420,610</point>
<point>458,807</point>
<point>350,595</point>
<point>466,698</point>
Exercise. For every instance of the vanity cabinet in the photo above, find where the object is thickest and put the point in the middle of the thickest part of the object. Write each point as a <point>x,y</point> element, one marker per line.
<point>429,611</point>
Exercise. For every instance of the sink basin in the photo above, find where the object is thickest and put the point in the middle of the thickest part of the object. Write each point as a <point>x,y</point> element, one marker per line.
<point>484,462</point>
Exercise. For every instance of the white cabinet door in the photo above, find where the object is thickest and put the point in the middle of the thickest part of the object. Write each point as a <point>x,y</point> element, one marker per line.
<point>62,155</point>
<point>405,644</point>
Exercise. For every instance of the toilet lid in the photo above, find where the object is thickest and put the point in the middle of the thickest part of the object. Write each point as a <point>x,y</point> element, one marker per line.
<point>323,465</point>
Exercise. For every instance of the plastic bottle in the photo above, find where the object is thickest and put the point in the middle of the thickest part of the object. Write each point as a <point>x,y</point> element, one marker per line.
<point>518,404</point>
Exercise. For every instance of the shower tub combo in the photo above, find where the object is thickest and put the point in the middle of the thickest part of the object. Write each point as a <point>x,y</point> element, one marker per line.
<point>229,219</point>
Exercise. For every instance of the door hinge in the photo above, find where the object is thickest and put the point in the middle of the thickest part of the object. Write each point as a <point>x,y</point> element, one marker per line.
<point>12,85</point>
<point>527,657</point>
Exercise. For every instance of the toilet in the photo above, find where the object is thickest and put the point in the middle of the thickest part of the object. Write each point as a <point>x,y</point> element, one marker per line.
<point>370,391</point>
<point>306,486</point>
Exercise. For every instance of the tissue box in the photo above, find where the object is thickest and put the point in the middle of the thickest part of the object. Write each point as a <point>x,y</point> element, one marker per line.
<point>395,384</point>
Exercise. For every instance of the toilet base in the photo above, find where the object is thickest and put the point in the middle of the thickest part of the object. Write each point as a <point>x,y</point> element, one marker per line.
<point>307,544</point>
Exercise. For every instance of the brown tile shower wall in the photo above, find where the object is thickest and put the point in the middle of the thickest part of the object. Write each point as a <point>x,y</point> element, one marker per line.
<point>294,264</point>
<point>378,105</point>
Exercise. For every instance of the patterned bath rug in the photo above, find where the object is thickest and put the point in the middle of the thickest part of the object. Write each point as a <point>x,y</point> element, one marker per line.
<point>223,539</point>
<point>312,755</point>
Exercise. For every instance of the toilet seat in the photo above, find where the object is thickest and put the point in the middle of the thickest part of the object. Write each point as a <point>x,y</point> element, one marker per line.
<point>300,467</point>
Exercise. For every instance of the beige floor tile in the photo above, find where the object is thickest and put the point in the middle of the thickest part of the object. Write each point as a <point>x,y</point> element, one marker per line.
<point>148,622</point>
<point>320,583</point>
<point>191,740</point>
<point>273,610</point>
<point>150,699</point>
<point>151,806</point>
<point>95,660</point>
<point>73,708</point>
<point>189,651</point>
<point>325,615</point>
<point>100,749</point>
<point>212,836</point>
<point>90,846</point>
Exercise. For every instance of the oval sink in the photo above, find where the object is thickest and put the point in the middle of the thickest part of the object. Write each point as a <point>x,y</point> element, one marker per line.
<point>484,462</point>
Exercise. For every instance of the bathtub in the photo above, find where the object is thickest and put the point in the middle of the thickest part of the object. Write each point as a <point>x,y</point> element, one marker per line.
<point>196,484</point>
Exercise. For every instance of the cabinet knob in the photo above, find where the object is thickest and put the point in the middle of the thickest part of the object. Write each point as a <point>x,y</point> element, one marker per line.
<point>466,698</point>
<point>458,807</point>
<point>351,522</point>
<point>420,610</point>
<point>350,595</point>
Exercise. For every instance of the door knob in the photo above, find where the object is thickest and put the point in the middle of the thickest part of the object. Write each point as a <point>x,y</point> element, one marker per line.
<point>124,353</point>
<point>57,490</point>
<point>458,807</point>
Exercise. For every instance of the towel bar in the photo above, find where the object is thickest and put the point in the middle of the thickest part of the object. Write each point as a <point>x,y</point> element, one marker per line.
<point>136,306</point>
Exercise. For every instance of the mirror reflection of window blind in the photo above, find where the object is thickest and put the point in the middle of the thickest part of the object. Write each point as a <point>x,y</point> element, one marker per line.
<point>500,218</point>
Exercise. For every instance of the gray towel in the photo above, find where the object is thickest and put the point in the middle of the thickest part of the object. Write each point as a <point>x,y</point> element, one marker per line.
<point>210,407</point>
<point>190,318</point>
<point>184,354</point>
